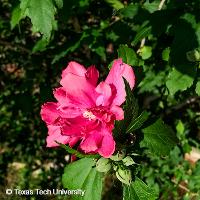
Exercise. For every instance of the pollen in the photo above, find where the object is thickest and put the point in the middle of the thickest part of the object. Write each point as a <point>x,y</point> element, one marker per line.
<point>89,115</point>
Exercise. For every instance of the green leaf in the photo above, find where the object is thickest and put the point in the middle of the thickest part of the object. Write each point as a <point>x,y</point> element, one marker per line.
<point>137,122</point>
<point>177,81</point>
<point>41,14</point>
<point>16,16</point>
<point>142,33</point>
<point>130,11</point>
<point>116,4</point>
<point>165,54</point>
<point>159,138</point>
<point>40,45</point>
<point>138,190</point>
<point>82,175</point>
<point>145,52</point>
<point>197,90</point>
<point>130,112</point>
<point>128,55</point>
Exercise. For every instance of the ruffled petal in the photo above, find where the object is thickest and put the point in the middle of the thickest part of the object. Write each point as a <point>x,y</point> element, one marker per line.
<point>119,70</point>
<point>92,75</point>
<point>49,112</point>
<point>55,135</point>
<point>118,112</point>
<point>107,146</point>
<point>91,143</point>
<point>79,89</point>
<point>60,95</point>
<point>107,94</point>
<point>74,68</point>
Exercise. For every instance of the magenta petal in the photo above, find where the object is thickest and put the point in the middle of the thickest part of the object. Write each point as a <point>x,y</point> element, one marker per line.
<point>91,143</point>
<point>119,70</point>
<point>118,112</point>
<point>73,141</point>
<point>92,75</point>
<point>69,112</point>
<point>107,146</point>
<point>79,89</point>
<point>55,135</point>
<point>106,94</point>
<point>49,112</point>
<point>74,68</point>
<point>60,95</point>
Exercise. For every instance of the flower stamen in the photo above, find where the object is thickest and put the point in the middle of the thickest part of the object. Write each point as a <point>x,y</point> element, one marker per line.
<point>89,115</point>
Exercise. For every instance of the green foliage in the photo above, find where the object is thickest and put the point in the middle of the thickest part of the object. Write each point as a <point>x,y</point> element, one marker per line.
<point>115,4</point>
<point>137,122</point>
<point>81,174</point>
<point>138,190</point>
<point>158,138</point>
<point>178,81</point>
<point>161,43</point>
<point>128,55</point>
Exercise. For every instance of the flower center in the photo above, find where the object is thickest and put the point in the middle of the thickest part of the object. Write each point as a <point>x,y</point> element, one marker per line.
<point>89,115</point>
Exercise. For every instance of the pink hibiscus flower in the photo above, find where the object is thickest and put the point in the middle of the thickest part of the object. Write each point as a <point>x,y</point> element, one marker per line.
<point>85,111</point>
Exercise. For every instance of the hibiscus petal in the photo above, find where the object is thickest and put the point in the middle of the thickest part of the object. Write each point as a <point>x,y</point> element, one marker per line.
<point>92,75</point>
<point>79,89</point>
<point>118,112</point>
<point>106,94</point>
<point>60,95</point>
<point>55,135</point>
<point>49,112</point>
<point>91,143</point>
<point>107,146</point>
<point>74,68</point>
<point>119,70</point>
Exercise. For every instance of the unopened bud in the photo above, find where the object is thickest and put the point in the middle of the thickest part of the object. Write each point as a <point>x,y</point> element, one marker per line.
<point>124,175</point>
<point>119,156</point>
<point>193,55</point>
<point>103,165</point>
<point>128,161</point>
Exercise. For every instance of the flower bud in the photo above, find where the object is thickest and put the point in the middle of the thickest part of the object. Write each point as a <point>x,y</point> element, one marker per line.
<point>193,55</point>
<point>124,175</point>
<point>119,156</point>
<point>103,165</point>
<point>128,161</point>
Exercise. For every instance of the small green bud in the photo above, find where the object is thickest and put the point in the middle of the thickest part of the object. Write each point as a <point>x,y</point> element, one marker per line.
<point>128,161</point>
<point>124,175</point>
<point>103,165</point>
<point>119,156</point>
<point>193,55</point>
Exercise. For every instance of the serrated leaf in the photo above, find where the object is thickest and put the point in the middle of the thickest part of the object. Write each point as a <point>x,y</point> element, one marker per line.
<point>159,138</point>
<point>197,90</point>
<point>41,14</point>
<point>138,190</point>
<point>16,16</point>
<point>137,122</point>
<point>82,175</point>
<point>142,33</point>
<point>177,81</point>
<point>116,4</point>
<point>128,55</point>
<point>130,111</point>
